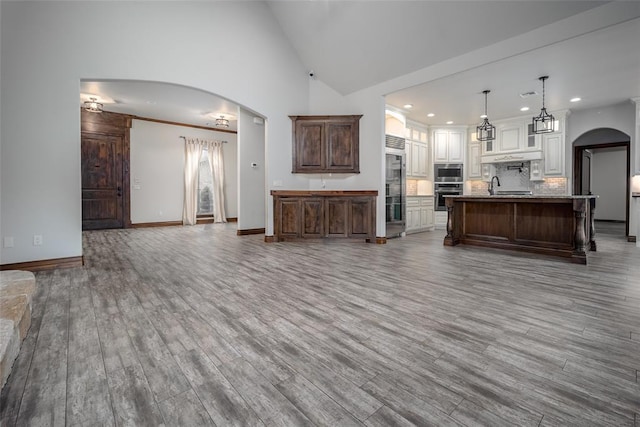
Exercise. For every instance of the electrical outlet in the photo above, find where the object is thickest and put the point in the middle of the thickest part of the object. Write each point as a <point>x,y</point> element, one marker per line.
<point>277,183</point>
<point>37,240</point>
<point>7,242</point>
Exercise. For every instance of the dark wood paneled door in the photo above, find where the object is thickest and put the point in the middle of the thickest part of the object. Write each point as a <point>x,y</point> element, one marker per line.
<point>102,181</point>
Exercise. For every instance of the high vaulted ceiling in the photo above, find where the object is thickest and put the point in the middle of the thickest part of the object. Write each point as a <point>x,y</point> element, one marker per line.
<point>351,45</point>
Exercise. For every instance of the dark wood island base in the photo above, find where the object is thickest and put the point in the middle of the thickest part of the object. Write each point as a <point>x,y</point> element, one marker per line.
<point>551,225</point>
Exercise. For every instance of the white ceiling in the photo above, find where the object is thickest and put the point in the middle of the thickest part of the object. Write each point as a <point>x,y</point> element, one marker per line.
<point>161,101</point>
<point>351,45</point>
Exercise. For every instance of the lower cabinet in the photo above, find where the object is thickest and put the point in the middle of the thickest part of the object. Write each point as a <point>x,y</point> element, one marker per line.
<point>420,214</point>
<point>324,214</point>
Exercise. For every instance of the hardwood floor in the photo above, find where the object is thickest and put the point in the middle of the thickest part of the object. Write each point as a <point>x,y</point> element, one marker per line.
<point>196,326</point>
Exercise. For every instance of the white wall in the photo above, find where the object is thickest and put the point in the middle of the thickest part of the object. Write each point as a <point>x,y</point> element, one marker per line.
<point>609,182</point>
<point>251,180</point>
<point>46,52</point>
<point>157,170</point>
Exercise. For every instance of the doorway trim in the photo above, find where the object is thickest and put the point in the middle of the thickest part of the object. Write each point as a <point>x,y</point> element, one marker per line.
<point>577,171</point>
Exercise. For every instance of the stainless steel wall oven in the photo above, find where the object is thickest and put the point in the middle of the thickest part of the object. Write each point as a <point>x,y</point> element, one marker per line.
<point>445,189</point>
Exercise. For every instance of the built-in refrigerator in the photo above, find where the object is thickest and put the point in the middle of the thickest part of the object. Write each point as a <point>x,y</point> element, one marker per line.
<point>395,192</point>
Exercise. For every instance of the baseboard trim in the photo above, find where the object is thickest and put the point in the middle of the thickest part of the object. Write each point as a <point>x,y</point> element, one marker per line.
<point>381,240</point>
<point>269,239</point>
<point>46,264</point>
<point>249,231</point>
<point>156,224</point>
<point>630,239</point>
<point>174,223</point>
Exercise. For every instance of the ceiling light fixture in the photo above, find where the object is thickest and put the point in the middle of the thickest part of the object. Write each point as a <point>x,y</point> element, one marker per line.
<point>408,106</point>
<point>430,115</point>
<point>543,122</point>
<point>222,122</point>
<point>524,109</point>
<point>92,105</point>
<point>449,122</point>
<point>486,131</point>
<point>576,99</point>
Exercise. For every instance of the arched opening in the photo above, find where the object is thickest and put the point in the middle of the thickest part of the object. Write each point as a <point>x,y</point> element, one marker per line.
<point>602,160</point>
<point>157,116</point>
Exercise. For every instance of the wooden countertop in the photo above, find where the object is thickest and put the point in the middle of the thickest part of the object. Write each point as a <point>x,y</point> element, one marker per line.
<point>324,193</point>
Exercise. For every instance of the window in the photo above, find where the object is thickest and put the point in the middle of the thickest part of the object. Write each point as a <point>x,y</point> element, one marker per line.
<point>205,186</point>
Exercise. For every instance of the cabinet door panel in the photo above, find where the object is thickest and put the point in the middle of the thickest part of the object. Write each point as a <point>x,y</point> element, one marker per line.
<point>290,218</point>
<point>509,139</point>
<point>553,155</point>
<point>337,218</point>
<point>474,171</point>
<point>456,147</point>
<point>415,159</point>
<point>312,218</point>
<point>361,218</point>
<point>340,146</point>
<point>440,147</point>
<point>423,158</point>
<point>309,145</point>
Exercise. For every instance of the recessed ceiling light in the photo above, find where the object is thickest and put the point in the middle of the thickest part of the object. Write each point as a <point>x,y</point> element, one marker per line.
<point>408,106</point>
<point>449,122</point>
<point>576,99</point>
<point>430,115</point>
<point>483,116</point>
<point>524,109</point>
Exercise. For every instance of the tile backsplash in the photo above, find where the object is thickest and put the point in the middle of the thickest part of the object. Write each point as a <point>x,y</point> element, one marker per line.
<point>514,176</point>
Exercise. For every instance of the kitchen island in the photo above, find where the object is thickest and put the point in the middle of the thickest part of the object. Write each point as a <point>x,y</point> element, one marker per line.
<point>552,225</point>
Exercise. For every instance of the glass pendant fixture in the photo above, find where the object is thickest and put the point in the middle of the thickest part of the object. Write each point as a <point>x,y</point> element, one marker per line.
<point>221,122</point>
<point>543,122</point>
<point>486,131</point>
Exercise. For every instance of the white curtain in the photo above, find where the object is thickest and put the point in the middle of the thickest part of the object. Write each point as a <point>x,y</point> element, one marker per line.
<point>192,153</point>
<point>214,150</point>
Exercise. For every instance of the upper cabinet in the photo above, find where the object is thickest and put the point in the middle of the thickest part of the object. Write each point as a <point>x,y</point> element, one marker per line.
<point>417,151</point>
<point>326,144</point>
<point>448,145</point>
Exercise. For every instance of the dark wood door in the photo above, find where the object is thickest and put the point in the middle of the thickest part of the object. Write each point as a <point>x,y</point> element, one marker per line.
<point>312,218</point>
<point>362,217</point>
<point>309,146</point>
<point>102,181</point>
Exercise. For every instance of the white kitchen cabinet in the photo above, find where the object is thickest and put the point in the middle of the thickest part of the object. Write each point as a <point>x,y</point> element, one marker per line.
<point>536,170</point>
<point>553,151</point>
<point>420,215</point>
<point>473,166</point>
<point>448,145</point>
<point>510,138</point>
<point>417,151</point>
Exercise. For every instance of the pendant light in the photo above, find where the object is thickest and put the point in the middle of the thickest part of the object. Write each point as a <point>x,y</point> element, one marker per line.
<point>543,122</point>
<point>221,122</point>
<point>486,131</point>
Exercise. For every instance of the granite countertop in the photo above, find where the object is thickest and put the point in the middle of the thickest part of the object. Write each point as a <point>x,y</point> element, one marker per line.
<point>511,196</point>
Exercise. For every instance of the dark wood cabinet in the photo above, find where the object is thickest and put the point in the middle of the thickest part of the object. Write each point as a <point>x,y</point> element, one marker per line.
<point>324,144</point>
<point>323,214</point>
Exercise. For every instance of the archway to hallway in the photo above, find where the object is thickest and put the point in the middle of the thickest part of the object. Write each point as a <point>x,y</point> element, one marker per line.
<point>601,160</point>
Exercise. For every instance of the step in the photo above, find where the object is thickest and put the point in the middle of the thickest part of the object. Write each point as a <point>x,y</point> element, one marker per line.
<point>16,291</point>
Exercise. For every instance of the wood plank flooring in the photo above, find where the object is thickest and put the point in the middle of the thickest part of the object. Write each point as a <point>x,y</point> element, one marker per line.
<point>196,326</point>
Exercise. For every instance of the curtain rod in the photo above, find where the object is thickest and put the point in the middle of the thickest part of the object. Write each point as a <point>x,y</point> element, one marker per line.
<point>184,137</point>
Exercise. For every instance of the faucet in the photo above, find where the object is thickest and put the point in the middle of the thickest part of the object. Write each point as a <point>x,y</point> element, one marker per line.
<point>491,190</point>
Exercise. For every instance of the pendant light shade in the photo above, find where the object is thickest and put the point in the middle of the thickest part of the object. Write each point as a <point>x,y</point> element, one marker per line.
<point>486,131</point>
<point>221,122</point>
<point>543,122</point>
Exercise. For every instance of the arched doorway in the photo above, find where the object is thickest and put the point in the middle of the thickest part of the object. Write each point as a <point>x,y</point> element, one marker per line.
<point>601,159</point>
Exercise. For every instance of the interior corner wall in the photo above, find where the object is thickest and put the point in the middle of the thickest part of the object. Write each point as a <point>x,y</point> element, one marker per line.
<point>609,182</point>
<point>157,170</point>
<point>40,172</point>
